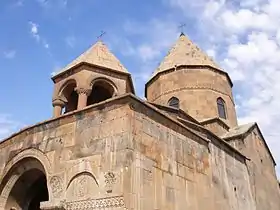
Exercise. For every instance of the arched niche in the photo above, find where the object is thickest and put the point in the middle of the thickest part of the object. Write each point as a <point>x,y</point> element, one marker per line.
<point>81,187</point>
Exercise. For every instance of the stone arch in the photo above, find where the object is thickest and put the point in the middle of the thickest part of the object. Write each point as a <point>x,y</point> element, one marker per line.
<point>28,153</point>
<point>65,84</point>
<point>94,80</point>
<point>102,89</point>
<point>30,161</point>
<point>83,167</point>
<point>82,186</point>
<point>80,173</point>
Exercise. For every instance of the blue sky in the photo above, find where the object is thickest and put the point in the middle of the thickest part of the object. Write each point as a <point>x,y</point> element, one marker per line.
<point>39,37</point>
<point>64,29</point>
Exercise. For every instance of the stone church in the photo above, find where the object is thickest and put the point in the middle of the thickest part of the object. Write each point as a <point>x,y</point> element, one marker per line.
<point>105,148</point>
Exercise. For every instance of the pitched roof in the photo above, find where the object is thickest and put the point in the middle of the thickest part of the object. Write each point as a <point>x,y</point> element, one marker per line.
<point>185,52</point>
<point>98,54</point>
<point>239,130</point>
<point>243,130</point>
<point>214,119</point>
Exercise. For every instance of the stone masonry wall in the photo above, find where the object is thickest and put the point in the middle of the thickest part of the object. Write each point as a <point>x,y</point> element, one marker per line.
<point>230,181</point>
<point>128,155</point>
<point>197,90</point>
<point>174,169</point>
<point>216,127</point>
<point>262,173</point>
<point>89,153</point>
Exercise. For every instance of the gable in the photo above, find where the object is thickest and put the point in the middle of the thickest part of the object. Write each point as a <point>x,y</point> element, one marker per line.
<point>259,138</point>
<point>243,131</point>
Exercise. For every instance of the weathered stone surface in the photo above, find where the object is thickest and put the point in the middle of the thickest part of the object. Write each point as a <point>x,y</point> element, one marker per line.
<point>125,153</point>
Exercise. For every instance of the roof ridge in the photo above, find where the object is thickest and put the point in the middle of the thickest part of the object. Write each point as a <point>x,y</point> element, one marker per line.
<point>185,52</point>
<point>97,54</point>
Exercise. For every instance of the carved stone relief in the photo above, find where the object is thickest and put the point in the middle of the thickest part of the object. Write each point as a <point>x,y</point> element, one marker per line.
<point>83,186</point>
<point>110,180</point>
<point>56,186</point>
<point>103,203</point>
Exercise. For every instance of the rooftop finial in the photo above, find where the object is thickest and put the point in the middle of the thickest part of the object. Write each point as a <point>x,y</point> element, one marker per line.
<point>101,35</point>
<point>182,26</point>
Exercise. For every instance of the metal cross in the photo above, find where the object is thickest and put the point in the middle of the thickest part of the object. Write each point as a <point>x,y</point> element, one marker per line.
<point>182,26</point>
<point>101,35</point>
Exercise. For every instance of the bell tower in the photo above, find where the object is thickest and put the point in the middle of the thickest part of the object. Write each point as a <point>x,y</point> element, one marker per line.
<point>93,77</point>
<point>188,79</point>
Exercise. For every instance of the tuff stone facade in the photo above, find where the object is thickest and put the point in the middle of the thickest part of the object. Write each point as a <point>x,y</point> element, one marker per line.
<point>105,148</point>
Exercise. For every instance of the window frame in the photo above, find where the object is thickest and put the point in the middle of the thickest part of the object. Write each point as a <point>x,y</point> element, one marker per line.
<point>174,102</point>
<point>221,107</point>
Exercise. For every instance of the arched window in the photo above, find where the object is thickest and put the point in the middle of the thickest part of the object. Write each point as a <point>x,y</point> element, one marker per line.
<point>174,102</point>
<point>221,108</point>
<point>101,91</point>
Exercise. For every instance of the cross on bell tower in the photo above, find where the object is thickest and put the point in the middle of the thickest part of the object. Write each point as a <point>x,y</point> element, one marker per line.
<point>181,27</point>
<point>101,35</point>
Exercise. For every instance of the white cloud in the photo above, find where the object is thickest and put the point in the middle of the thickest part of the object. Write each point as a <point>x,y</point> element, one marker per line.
<point>19,3</point>
<point>246,19</point>
<point>211,53</point>
<point>8,125</point>
<point>10,54</point>
<point>147,52</point>
<point>70,41</point>
<point>34,30</point>
<point>53,4</point>
<point>153,43</point>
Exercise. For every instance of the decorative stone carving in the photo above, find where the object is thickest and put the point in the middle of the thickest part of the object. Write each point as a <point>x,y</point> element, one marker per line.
<point>58,102</point>
<point>110,180</point>
<point>85,91</point>
<point>132,106</point>
<point>111,202</point>
<point>56,186</point>
<point>81,187</point>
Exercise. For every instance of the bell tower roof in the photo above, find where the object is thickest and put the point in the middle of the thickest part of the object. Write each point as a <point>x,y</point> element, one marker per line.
<point>185,52</point>
<point>99,55</point>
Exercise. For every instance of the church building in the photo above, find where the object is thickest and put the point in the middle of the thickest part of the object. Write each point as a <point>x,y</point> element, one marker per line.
<point>181,148</point>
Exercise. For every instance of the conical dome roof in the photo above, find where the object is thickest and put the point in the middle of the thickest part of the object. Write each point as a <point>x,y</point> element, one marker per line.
<point>185,52</point>
<point>99,55</point>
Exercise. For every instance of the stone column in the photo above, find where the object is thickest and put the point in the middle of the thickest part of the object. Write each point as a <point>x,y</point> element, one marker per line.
<point>58,104</point>
<point>83,96</point>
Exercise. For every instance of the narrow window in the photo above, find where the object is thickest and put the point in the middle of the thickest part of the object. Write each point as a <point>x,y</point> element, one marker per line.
<point>221,108</point>
<point>174,102</point>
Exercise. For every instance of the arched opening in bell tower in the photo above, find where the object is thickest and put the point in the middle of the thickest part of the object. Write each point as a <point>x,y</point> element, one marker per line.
<point>101,91</point>
<point>71,96</point>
